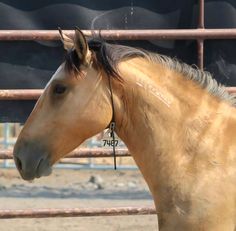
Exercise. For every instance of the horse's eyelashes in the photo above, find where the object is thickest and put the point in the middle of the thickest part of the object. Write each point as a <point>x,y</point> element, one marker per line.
<point>59,89</point>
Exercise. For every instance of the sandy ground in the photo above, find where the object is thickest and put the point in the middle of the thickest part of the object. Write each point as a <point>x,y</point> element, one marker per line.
<point>76,188</point>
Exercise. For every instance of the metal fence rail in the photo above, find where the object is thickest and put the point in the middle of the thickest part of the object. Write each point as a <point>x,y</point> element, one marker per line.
<point>30,94</point>
<point>162,34</point>
<point>75,212</point>
<point>80,153</point>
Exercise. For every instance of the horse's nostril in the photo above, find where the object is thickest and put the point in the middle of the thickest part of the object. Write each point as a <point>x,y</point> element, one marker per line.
<point>18,163</point>
<point>39,164</point>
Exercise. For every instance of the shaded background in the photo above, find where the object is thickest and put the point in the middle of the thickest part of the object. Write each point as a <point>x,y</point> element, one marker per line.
<point>30,64</point>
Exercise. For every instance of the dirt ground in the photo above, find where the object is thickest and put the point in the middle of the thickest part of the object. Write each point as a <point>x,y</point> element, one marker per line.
<point>77,188</point>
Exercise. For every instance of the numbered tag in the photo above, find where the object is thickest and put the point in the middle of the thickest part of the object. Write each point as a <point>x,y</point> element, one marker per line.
<point>108,141</point>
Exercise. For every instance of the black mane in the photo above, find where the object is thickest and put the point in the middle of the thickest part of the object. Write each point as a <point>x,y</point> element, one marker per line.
<point>107,56</point>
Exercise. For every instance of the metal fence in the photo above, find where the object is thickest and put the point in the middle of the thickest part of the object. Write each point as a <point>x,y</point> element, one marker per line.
<point>199,34</point>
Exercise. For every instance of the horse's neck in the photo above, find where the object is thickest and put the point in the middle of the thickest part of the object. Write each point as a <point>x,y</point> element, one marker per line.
<point>162,121</point>
<point>156,104</point>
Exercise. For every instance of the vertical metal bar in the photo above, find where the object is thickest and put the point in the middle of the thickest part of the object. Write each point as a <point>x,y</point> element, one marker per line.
<point>200,53</point>
<point>6,131</point>
<point>201,15</point>
<point>200,42</point>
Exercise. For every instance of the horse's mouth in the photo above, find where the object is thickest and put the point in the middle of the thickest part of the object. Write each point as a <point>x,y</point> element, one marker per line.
<point>44,168</point>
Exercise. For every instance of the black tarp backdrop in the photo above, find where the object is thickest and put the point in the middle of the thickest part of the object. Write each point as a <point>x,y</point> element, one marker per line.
<point>30,64</point>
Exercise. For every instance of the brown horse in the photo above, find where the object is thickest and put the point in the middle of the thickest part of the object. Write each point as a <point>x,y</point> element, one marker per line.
<point>177,122</point>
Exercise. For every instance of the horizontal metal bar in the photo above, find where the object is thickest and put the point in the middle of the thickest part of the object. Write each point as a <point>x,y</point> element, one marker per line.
<point>80,153</point>
<point>76,166</point>
<point>75,212</point>
<point>20,94</point>
<point>231,90</point>
<point>26,94</point>
<point>172,34</point>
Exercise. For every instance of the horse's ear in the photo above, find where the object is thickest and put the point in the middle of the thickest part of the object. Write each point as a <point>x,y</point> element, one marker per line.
<point>68,42</point>
<point>81,47</point>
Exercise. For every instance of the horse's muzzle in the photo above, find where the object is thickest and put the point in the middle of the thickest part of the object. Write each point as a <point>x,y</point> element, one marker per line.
<point>31,159</point>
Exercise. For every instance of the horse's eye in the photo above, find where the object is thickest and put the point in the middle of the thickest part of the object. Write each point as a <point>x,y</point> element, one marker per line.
<point>59,89</point>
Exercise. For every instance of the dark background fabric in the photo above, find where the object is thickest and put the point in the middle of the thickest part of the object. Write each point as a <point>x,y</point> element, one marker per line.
<point>30,64</point>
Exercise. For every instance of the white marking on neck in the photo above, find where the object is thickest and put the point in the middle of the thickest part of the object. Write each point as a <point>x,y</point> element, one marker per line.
<point>153,90</point>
